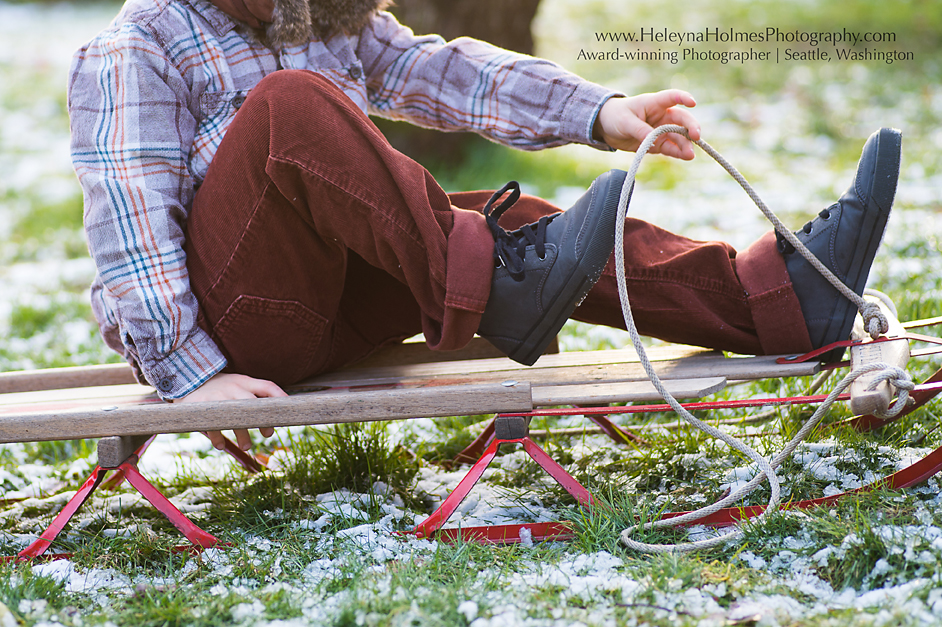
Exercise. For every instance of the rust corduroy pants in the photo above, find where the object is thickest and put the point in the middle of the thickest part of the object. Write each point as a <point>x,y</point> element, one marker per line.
<point>312,242</point>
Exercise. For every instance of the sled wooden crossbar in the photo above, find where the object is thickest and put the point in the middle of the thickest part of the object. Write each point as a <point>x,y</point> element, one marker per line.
<point>101,401</point>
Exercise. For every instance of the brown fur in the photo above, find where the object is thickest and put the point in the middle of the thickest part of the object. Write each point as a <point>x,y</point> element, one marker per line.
<point>298,21</point>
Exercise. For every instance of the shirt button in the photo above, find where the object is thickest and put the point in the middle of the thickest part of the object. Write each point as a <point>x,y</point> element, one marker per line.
<point>238,101</point>
<point>355,72</point>
<point>165,385</point>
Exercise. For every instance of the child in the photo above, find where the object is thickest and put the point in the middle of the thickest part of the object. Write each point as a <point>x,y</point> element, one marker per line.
<point>251,226</point>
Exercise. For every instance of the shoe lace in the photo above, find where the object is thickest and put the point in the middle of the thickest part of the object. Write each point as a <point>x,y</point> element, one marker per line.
<point>510,248</point>
<point>784,247</point>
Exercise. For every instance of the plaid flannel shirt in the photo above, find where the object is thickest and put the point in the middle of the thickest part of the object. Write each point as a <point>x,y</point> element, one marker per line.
<point>151,97</point>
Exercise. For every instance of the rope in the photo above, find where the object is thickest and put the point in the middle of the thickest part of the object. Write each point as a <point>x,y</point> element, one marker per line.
<point>875,322</point>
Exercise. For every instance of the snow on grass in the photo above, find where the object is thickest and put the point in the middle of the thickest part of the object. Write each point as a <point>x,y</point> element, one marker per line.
<point>340,557</point>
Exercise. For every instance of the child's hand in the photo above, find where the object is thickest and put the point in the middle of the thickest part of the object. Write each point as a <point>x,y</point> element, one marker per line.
<point>227,387</point>
<point>623,123</point>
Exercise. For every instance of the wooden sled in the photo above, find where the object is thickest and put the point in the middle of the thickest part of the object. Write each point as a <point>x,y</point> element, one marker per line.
<point>399,383</point>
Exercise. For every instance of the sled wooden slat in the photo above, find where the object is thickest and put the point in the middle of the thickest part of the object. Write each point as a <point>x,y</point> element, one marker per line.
<point>118,374</point>
<point>62,378</point>
<point>477,386</point>
<point>331,406</point>
<point>497,365</point>
<point>604,393</point>
<point>73,397</point>
<point>594,367</point>
<point>417,352</point>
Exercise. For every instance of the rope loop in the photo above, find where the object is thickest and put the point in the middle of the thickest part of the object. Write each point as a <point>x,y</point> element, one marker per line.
<point>874,320</point>
<point>895,376</point>
<point>876,324</point>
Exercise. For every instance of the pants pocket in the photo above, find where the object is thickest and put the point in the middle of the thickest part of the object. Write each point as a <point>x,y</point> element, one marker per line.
<point>279,340</point>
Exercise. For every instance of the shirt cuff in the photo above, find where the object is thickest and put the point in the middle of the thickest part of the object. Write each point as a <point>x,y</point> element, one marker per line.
<point>580,112</point>
<point>188,367</point>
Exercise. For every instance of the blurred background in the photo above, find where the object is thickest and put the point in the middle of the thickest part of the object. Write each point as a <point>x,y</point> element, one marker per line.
<point>794,129</point>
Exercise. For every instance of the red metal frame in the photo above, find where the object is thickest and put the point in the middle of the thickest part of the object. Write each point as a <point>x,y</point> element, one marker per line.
<point>933,388</point>
<point>509,534</point>
<point>618,435</point>
<point>39,546</point>
<point>477,447</point>
<point>486,447</point>
<point>905,478</point>
<point>474,450</point>
<point>811,355</point>
<point>503,534</point>
<point>248,462</point>
<point>128,471</point>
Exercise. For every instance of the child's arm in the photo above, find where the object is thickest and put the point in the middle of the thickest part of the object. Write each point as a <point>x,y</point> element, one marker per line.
<point>132,134</point>
<point>514,99</point>
<point>468,85</point>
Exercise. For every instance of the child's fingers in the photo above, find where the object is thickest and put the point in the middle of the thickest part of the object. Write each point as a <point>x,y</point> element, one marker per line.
<point>243,439</point>
<point>217,439</point>
<point>683,117</point>
<point>667,98</point>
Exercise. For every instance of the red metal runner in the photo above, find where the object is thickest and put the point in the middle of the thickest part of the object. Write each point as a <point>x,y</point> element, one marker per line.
<point>194,534</point>
<point>503,534</point>
<point>48,536</point>
<point>506,534</point>
<point>509,534</point>
<point>905,478</point>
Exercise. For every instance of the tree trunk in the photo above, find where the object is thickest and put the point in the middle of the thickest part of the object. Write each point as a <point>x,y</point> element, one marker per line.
<point>504,23</point>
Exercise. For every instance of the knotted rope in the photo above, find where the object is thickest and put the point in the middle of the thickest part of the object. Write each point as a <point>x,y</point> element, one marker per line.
<point>875,322</point>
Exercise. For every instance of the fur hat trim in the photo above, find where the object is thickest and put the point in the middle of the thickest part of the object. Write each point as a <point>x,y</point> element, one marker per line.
<point>295,22</point>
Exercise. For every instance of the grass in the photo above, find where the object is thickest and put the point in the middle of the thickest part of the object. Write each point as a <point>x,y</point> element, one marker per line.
<point>23,593</point>
<point>49,228</point>
<point>353,458</point>
<point>316,540</point>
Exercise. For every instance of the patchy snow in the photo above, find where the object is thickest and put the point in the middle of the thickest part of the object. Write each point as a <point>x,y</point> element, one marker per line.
<point>705,204</point>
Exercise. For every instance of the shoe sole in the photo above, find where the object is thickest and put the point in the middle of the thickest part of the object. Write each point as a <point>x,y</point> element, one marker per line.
<point>581,280</point>
<point>879,203</point>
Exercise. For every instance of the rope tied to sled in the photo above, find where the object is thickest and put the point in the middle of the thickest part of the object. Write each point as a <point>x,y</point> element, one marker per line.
<point>875,323</point>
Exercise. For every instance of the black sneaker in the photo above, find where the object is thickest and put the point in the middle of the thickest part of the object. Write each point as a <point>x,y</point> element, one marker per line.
<point>545,269</point>
<point>845,237</point>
